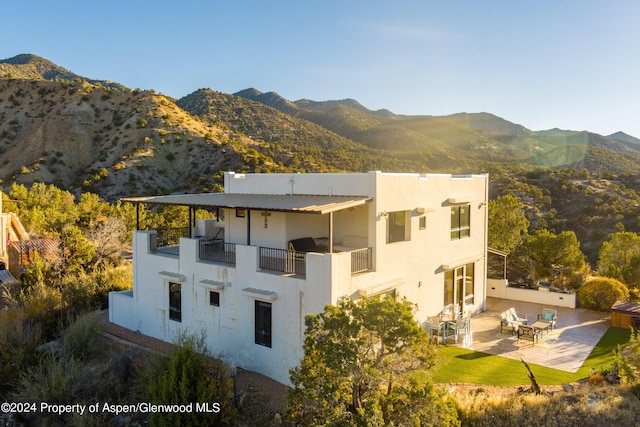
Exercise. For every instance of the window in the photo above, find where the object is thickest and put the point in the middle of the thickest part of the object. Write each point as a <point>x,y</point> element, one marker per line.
<point>460,222</point>
<point>263,323</point>
<point>214,298</point>
<point>458,285</point>
<point>397,229</point>
<point>468,284</point>
<point>175,302</point>
<point>423,222</point>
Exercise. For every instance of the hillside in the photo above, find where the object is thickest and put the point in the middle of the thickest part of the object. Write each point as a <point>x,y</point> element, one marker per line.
<point>34,67</point>
<point>118,143</point>
<point>86,135</point>
<point>483,137</point>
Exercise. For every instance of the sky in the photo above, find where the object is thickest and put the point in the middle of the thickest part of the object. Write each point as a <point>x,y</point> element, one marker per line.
<point>570,64</point>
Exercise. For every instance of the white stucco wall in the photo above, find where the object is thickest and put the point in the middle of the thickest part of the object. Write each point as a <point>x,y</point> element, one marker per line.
<point>414,268</point>
<point>499,288</point>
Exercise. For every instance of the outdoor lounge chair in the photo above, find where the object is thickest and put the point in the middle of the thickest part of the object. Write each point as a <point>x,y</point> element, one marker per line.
<point>549,316</point>
<point>509,320</point>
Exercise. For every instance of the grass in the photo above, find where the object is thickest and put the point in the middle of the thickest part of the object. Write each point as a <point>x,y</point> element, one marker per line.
<point>472,367</point>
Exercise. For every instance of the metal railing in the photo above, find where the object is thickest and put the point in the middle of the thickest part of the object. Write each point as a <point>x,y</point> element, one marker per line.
<point>217,251</point>
<point>283,260</point>
<point>361,260</point>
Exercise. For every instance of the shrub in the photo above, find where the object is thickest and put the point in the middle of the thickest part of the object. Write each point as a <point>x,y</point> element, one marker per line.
<point>81,337</point>
<point>628,362</point>
<point>65,381</point>
<point>19,339</point>
<point>42,305</point>
<point>86,292</point>
<point>600,293</point>
<point>188,376</point>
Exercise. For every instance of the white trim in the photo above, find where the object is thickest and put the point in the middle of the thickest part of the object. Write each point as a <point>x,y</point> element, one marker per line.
<point>461,262</point>
<point>421,210</point>
<point>214,284</point>
<point>381,287</point>
<point>174,276</point>
<point>260,293</point>
<point>460,200</point>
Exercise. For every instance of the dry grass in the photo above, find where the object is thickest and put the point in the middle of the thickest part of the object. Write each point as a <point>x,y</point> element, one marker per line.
<point>586,405</point>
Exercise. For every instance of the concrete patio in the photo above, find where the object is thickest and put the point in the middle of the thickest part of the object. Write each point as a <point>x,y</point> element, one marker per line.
<point>565,348</point>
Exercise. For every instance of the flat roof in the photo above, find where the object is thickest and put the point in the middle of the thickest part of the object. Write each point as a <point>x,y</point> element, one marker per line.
<point>301,203</point>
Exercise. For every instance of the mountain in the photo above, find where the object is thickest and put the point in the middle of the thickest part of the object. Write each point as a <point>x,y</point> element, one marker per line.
<point>624,138</point>
<point>477,137</point>
<point>90,135</point>
<point>33,67</point>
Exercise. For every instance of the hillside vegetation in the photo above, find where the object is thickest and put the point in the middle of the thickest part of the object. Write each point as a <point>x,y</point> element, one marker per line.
<point>88,135</point>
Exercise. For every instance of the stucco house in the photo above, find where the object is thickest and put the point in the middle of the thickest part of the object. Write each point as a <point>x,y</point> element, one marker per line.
<point>281,246</point>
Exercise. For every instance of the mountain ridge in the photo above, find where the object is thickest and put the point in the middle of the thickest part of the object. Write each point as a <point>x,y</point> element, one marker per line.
<point>31,66</point>
<point>82,135</point>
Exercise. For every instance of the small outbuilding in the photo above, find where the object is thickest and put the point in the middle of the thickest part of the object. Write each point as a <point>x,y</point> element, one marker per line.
<point>625,314</point>
<point>21,253</point>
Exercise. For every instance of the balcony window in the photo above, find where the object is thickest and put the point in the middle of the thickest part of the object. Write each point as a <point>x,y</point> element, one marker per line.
<point>460,222</point>
<point>263,323</point>
<point>175,302</point>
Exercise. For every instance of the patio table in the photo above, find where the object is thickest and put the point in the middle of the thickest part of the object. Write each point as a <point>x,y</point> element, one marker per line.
<point>540,326</point>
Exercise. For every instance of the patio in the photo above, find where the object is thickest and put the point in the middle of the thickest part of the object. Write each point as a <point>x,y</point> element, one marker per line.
<point>565,348</point>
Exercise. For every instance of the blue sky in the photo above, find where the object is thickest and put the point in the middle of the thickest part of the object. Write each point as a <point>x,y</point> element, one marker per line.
<point>542,64</point>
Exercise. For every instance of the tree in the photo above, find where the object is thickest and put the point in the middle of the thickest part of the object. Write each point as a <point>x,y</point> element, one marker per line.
<point>78,250</point>
<point>37,272</point>
<point>109,240</point>
<point>362,360</point>
<point>44,210</point>
<point>619,258</point>
<point>507,223</point>
<point>557,252</point>
<point>600,293</point>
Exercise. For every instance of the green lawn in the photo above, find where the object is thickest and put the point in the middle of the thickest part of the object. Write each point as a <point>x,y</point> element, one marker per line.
<point>467,366</point>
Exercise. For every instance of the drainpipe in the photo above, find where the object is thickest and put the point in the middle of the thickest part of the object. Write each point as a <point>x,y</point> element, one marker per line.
<point>486,238</point>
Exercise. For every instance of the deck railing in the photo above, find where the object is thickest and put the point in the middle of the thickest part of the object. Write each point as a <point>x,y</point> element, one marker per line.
<point>217,251</point>
<point>283,260</point>
<point>361,260</point>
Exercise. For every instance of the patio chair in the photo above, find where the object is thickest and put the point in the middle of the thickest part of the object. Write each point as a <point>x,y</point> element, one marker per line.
<point>436,328</point>
<point>516,317</point>
<point>549,316</point>
<point>509,321</point>
<point>527,333</point>
<point>460,324</point>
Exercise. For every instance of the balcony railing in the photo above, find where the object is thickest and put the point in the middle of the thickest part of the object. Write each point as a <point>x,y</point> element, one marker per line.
<point>217,251</point>
<point>283,260</point>
<point>361,260</point>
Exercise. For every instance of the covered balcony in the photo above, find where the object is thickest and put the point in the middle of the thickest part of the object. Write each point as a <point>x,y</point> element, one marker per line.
<point>284,228</point>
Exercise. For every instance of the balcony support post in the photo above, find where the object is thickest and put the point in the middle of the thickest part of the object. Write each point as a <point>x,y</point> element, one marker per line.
<point>330,248</point>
